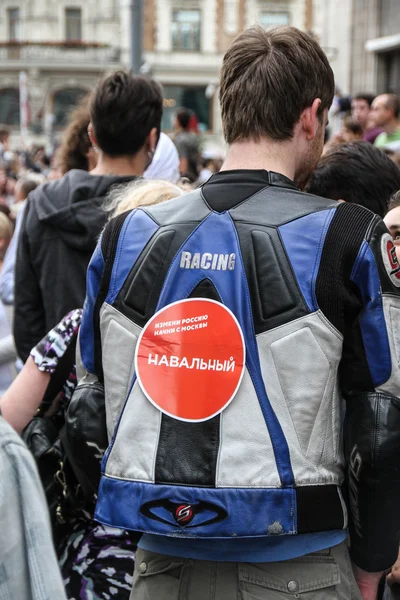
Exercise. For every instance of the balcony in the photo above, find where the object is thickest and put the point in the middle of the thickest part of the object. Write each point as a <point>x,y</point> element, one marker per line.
<point>81,56</point>
<point>195,68</point>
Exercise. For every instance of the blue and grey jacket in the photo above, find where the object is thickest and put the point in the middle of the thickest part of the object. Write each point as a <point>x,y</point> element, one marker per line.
<point>313,432</point>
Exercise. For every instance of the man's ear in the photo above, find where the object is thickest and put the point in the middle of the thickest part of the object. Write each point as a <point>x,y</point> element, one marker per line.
<point>309,119</point>
<point>152,139</point>
<point>91,135</point>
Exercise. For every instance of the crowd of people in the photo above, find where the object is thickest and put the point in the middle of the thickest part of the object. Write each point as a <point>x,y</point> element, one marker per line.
<point>273,474</point>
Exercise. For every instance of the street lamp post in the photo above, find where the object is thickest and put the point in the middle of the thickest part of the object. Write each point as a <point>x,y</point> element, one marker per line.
<point>136,48</point>
<point>23,107</point>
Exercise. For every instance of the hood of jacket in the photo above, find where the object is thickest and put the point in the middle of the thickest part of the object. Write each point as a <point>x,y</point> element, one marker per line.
<point>74,205</point>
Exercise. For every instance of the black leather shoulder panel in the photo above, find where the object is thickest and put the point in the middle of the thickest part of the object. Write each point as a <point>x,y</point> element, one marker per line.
<point>187,208</point>
<point>275,205</point>
<point>275,296</point>
<point>139,295</point>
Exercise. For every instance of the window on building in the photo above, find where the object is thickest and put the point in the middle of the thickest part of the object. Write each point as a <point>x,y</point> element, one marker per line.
<point>194,98</point>
<point>64,101</point>
<point>186,30</point>
<point>389,71</point>
<point>14,25</point>
<point>73,24</point>
<point>9,106</point>
<point>272,19</point>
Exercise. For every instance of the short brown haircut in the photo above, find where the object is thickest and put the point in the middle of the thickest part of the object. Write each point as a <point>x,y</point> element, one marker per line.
<point>268,78</point>
<point>394,201</point>
<point>124,108</point>
<point>368,98</point>
<point>393,103</point>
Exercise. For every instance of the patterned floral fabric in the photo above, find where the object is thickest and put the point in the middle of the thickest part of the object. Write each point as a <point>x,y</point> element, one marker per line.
<point>97,562</point>
<point>53,346</point>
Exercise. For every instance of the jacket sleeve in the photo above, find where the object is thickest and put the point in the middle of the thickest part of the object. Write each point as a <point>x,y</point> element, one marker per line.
<point>371,386</point>
<point>29,317</point>
<point>88,336</point>
<point>29,567</point>
<point>89,354</point>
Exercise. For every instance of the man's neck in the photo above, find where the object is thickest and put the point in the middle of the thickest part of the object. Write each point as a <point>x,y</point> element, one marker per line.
<point>253,155</point>
<point>122,166</point>
<point>392,126</point>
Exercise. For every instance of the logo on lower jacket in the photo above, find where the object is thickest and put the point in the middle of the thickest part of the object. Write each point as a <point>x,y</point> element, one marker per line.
<point>172,513</point>
<point>184,514</point>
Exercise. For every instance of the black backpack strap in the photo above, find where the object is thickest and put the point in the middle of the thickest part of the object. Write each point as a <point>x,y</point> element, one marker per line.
<point>87,492</point>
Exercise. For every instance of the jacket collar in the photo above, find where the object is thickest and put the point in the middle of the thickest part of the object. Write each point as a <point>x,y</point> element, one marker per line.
<point>226,189</point>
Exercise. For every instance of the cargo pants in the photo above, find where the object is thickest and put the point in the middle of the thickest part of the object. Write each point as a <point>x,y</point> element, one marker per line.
<point>323,575</point>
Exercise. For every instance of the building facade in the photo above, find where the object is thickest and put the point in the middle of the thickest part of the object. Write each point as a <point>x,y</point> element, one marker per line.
<point>375,62</point>
<point>185,41</point>
<point>331,24</point>
<point>64,47</point>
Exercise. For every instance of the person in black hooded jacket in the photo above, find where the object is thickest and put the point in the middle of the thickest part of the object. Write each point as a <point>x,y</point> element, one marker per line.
<point>63,219</point>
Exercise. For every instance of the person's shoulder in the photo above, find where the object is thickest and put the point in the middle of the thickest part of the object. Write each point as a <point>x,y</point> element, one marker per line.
<point>189,207</point>
<point>347,218</point>
<point>11,443</point>
<point>17,463</point>
<point>58,192</point>
<point>380,140</point>
<point>299,202</point>
<point>185,208</point>
<point>353,225</point>
<point>52,187</point>
<point>308,202</point>
<point>48,192</point>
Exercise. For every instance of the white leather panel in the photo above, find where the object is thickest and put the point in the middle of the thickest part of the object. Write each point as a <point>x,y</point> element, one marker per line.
<point>119,336</point>
<point>133,455</point>
<point>299,363</point>
<point>246,456</point>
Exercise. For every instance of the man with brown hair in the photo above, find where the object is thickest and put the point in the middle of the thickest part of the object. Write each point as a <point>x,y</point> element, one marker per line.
<point>361,113</point>
<point>64,218</point>
<point>385,113</point>
<point>249,311</point>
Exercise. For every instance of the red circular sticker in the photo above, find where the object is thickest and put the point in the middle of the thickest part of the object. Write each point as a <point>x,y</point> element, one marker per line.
<point>190,359</point>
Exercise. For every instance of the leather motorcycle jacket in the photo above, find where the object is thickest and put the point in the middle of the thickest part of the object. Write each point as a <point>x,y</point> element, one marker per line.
<point>288,420</point>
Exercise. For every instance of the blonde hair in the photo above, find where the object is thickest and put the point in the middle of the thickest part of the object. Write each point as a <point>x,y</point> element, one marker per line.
<point>6,228</point>
<point>140,193</point>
